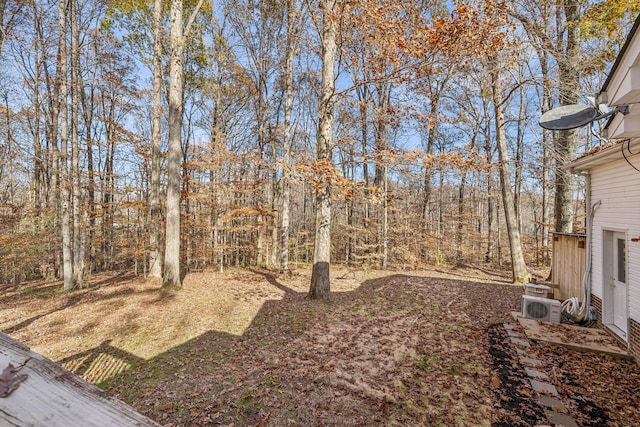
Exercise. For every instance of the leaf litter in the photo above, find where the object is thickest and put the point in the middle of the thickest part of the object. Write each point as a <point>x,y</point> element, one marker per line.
<point>246,348</point>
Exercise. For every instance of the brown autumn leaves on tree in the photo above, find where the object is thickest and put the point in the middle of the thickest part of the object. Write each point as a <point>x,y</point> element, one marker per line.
<point>393,38</point>
<point>268,162</point>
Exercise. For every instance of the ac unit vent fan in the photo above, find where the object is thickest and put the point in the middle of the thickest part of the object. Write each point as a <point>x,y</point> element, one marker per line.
<point>544,309</point>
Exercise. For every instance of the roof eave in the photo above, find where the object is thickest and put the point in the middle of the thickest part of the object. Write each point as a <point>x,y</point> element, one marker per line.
<point>606,155</point>
<point>616,64</point>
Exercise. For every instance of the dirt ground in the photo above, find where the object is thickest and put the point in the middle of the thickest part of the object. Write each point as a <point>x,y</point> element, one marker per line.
<point>246,348</point>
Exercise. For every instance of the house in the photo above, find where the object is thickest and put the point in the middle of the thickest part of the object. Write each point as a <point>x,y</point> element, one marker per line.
<point>613,202</point>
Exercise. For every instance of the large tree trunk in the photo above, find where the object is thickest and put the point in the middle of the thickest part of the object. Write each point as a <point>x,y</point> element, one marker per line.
<point>287,135</point>
<point>491,203</point>
<point>518,265</point>
<point>215,178</point>
<point>108,184</point>
<point>53,197</point>
<point>172,238</point>
<point>88,106</point>
<point>78,212</point>
<point>567,142</point>
<point>65,229</point>
<point>261,118</point>
<point>275,203</point>
<point>320,281</point>
<point>566,148</point>
<point>171,277</point>
<point>155,266</point>
<point>39,165</point>
<point>546,155</point>
<point>517,193</point>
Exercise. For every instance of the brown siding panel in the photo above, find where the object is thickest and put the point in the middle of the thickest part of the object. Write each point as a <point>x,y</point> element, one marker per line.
<point>597,303</point>
<point>634,339</point>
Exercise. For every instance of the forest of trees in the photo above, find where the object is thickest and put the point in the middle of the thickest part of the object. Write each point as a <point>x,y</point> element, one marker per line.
<point>174,135</point>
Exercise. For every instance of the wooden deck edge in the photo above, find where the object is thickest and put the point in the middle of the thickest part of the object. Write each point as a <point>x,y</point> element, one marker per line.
<point>50,395</point>
<point>619,355</point>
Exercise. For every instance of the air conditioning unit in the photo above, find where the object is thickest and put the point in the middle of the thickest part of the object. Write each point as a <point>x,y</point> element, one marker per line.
<point>544,309</point>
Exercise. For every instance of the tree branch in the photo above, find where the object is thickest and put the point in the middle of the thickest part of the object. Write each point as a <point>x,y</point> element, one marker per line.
<point>192,19</point>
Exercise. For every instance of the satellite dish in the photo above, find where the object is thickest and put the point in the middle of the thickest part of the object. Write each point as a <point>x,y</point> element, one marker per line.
<point>569,117</point>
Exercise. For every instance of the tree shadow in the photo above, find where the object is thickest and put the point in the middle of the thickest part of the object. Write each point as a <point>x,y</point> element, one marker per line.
<point>273,280</point>
<point>29,321</point>
<point>72,300</point>
<point>122,276</point>
<point>217,378</point>
<point>16,293</point>
<point>75,297</point>
<point>213,368</point>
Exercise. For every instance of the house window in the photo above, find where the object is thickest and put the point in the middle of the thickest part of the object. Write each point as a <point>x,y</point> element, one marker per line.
<point>621,262</point>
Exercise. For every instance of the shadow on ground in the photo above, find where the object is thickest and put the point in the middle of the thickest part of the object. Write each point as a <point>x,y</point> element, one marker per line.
<point>16,294</point>
<point>399,349</point>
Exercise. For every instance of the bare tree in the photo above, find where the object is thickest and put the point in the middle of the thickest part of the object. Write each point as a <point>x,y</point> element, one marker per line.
<point>563,41</point>
<point>171,277</point>
<point>320,280</point>
<point>78,212</point>
<point>292,35</point>
<point>179,33</point>
<point>155,267</point>
<point>518,265</point>
<point>62,116</point>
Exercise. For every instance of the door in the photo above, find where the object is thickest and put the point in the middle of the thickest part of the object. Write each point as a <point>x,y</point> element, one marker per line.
<point>619,280</point>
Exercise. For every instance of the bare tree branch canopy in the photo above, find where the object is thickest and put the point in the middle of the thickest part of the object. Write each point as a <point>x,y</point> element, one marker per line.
<point>166,137</point>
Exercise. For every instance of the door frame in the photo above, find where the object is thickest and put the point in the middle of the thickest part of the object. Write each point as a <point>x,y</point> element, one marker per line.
<point>609,274</point>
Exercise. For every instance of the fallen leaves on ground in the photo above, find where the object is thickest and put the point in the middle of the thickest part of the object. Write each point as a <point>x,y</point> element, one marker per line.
<point>246,348</point>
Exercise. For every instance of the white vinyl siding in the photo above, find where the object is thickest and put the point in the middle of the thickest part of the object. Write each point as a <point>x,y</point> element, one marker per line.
<point>617,186</point>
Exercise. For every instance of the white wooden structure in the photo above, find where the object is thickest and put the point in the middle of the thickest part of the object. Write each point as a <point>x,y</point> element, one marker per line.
<point>613,202</point>
<point>51,396</point>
